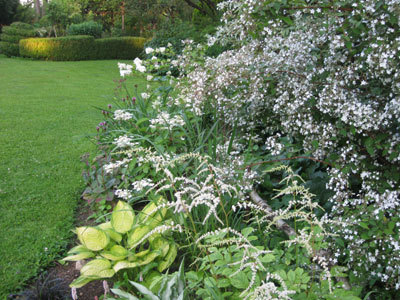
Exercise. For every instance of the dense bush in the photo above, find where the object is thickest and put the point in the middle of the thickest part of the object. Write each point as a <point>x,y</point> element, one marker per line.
<point>12,35</point>
<point>119,47</point>
<point>62,48</point>
<point>81,48</point>
<point>321,80</point>
<point>86,28</point>
<point>175,33</point>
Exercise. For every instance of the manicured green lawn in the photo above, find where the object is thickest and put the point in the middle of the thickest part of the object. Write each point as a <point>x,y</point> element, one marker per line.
<point>46,109</point>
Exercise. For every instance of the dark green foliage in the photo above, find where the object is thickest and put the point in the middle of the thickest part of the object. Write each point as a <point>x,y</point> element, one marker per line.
<point>8,9</point>
<point>86,28</point>
<point>12,35</point>
<point>82,48</point>
<point>17,31</point>
<point>174,33</point>
<point>119,47</point>
<point>62,48</point>
<point>14,39</point>
<point>9,49</point>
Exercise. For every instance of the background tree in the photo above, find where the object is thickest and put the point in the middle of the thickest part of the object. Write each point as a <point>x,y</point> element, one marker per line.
<point>205,7</point>
<point>8,9</point>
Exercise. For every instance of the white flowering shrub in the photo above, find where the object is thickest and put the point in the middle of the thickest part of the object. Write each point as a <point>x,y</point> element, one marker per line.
<point>312,85</point>
<point>325,74</point>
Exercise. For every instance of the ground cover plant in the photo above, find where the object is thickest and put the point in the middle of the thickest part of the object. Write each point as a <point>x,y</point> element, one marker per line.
<point>277,160</point>
<point>47,109</point>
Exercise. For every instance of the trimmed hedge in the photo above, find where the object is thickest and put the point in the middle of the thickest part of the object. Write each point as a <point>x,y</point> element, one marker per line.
<point>81,48</point>
<point>16,31</point>
<point>119,47</point>
<point>9,49</point>
<point>12,35</point>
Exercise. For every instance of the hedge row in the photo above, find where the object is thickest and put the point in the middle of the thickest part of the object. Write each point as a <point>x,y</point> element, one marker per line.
<point>12,35</point>
<point>81,47</point>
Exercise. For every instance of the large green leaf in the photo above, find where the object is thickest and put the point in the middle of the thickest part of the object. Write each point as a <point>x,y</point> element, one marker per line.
<point>169,258</point>
<point>145,291</point>
<point>149,258</point>
<point>81,281</point>
<point>92,238</point>
<point>137,234</point>
<point>124,265</point>
<point>116,253</point>
<point>95,267</point>
<point>80,256</point>
<point>78,249</point>
<point>157,218</point>
<point>122,217</point>
<point>160,244</point>
<point>150,210</point>
<point>107,227</point>
<point>123,294</point>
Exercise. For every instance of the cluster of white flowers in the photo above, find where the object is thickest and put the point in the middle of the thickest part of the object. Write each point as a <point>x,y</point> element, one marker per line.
<point>166,122</point>
<point>124,69</point>
<point>150,50</point>
<point>139,65</point>
<point>124,141</point>
<point>140,185</point>
<point>113,166</point>
<point>123,194</point>
<point>122,115</point>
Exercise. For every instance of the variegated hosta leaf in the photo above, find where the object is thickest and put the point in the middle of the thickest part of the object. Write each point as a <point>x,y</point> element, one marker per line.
<point>116,253</point>
<point>107,227</point>
<point>149,210</point>
<point>81,281</point>
<point>160,244</point>
<point>79,256</point>
<point>92,238</point>
<point>169,259</point>
<point>78,249</point>
<point>124,265</point>
<point>149,258</point>
<point>122,217</point>
<point>142,253</point>
<point>157,218</point>
<point>95,267</point>
<point>137,234</point>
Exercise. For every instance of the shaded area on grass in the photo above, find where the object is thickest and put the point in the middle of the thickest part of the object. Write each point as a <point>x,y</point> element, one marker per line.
<point>46,108</point>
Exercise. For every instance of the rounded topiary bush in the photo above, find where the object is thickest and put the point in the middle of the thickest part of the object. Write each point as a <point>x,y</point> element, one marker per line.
<point>62,48</point>
<point>86,28</point>
<point>12,35</point>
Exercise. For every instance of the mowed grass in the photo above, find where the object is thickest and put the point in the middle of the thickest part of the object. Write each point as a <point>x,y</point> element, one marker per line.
<point>46,111</point>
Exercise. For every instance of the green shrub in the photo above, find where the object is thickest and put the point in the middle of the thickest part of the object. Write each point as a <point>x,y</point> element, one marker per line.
<point>86,28</point>
<point>119,47</point>
<point>81,48</point>
<point>14,39</point>
<point>21,26</point>
<point>62,48</point>
<point>9,30</point>
<point>9,49</point>
<point>12,35</point>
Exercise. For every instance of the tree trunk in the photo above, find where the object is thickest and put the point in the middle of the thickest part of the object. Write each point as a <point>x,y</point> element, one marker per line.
<point>123,16</point>
<point>44,7</point>
<point>37,10</point>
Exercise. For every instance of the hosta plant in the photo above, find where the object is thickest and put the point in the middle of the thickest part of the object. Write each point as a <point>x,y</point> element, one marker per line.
<point>163,286</point>
<point>127,241</point>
